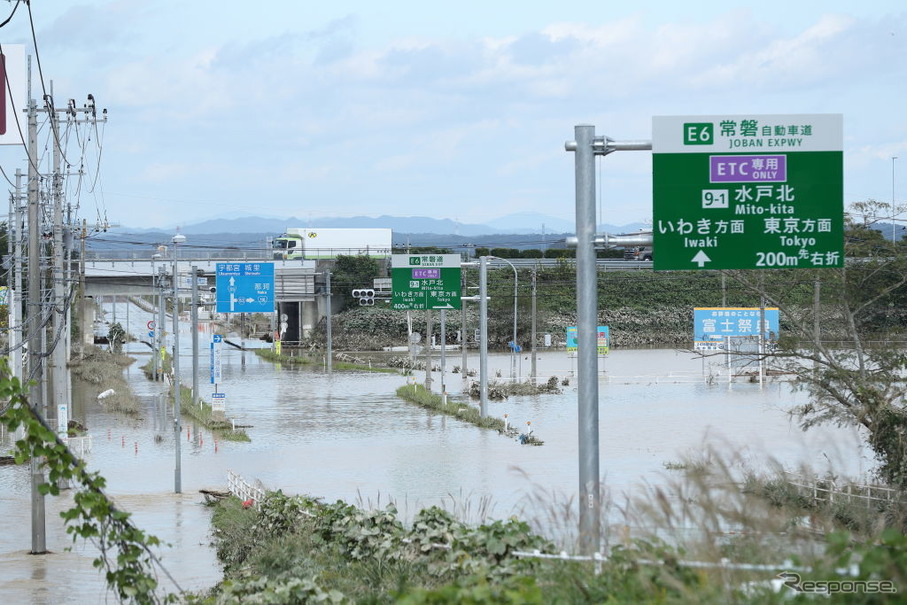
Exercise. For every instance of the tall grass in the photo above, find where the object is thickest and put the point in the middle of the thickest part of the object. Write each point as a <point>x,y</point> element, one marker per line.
<point>715,533</point>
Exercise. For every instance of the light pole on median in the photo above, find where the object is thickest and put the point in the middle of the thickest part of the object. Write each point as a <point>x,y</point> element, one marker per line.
<point>513,344</point>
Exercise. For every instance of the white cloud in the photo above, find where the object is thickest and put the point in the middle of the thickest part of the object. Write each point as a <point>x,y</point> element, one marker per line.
<point>351,108</point>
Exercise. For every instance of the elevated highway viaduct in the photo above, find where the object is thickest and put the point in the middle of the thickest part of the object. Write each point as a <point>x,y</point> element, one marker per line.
<point>298,286</point>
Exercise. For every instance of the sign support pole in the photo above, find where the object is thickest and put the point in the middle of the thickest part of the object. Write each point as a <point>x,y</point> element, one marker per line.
<point>428,330</point>
<point>586,146</point>
<point>587,353</point>
<point>443,347</point>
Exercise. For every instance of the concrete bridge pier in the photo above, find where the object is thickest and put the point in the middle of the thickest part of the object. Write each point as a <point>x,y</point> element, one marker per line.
<point>88,314</point>
<point>302,317</point>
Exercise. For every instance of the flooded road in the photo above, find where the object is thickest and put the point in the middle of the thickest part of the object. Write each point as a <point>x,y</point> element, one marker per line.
<point>347,436</point>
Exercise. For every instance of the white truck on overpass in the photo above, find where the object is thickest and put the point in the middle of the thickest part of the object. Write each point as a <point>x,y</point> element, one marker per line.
<point>321,243</point>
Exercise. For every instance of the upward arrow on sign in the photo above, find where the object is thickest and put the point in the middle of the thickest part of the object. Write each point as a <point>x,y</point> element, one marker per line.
<point>701,259</point>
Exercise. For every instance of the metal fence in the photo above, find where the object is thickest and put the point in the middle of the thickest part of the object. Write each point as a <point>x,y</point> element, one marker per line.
<point>828,492</point>
<point>79,446</point>
<point>243,490</point>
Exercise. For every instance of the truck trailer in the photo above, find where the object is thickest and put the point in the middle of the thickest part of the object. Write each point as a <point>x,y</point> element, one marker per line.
<point>325,243</point>
<point>636,245</point>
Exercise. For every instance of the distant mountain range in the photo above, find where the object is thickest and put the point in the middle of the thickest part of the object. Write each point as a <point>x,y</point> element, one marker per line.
<point>519,223</point>
<point>522,230</point>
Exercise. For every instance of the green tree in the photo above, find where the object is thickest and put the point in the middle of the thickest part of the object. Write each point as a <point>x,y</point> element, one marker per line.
<point>845,345</point>
<point>860,223</point>
<point>116,336</point>
<point>350,273</point>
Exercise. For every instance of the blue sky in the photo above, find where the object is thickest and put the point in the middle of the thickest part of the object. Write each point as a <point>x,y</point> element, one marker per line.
<point>457,111</point>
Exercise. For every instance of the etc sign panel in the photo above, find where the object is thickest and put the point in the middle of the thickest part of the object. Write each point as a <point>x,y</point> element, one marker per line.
<point>748,192</point>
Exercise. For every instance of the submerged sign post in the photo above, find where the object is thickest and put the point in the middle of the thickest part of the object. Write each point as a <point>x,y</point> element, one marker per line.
<point>216,365</point>
<point>425,281</point>
<point>712,326</point>
<point>748,192</point>
<point>603,340</point>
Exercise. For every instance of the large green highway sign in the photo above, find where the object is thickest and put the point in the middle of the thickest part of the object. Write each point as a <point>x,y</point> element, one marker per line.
<point>748,192</point>
<point>425,281</point>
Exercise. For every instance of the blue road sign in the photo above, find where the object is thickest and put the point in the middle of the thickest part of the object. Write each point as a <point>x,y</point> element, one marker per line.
<point>603,339</point>
<point>245,287</point>
<point>711,325</point>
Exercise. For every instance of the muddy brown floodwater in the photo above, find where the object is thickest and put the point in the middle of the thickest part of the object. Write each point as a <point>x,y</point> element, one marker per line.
<point>347,436</point>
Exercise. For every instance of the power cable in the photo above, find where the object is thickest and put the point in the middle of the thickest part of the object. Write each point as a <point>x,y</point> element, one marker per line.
<point>8,19</point>
<point>97,172</point>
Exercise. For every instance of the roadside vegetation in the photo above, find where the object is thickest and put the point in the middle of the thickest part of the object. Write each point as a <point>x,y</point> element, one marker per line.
<point>204,415</point>
<point>199,410</point>
<point>311,359</point>
<point>715,534</point>
<point>100,370</point>
<point>418,394</point>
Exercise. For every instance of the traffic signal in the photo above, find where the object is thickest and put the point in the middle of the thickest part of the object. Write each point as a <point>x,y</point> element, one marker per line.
<point>366,296</point>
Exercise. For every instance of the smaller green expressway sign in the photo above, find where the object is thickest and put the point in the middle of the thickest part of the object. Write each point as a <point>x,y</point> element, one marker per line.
<point>748,192</point>
<point>425,281</point>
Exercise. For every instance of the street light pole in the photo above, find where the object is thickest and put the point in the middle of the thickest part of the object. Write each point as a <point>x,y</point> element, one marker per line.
<point>177,426</point>
<point>155,340</point>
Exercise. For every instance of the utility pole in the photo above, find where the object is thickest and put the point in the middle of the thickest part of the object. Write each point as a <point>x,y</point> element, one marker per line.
<point>83,304</point>
<point>34,326</point>
<point>15,294</point>
<point>59,374</point>
<point>60,391</point>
